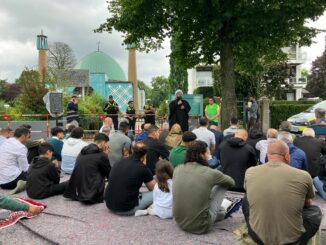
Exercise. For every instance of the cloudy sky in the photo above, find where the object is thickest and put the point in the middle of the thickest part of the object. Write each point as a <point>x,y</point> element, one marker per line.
<point>72,22</point>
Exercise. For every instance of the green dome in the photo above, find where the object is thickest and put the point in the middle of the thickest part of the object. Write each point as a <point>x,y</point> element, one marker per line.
<point>99,62</point>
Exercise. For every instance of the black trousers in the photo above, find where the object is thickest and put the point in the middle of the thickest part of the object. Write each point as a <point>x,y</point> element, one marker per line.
<point>311,216</point>
<point>58,189</point>
<point>115,120</point>
<point>12,185</point>
<point>132,124</point>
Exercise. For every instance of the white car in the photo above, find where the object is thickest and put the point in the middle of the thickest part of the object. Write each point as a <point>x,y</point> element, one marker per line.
<point>302,120</point>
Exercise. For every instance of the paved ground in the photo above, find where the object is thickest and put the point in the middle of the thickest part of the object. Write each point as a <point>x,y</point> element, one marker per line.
<point>96,225</point>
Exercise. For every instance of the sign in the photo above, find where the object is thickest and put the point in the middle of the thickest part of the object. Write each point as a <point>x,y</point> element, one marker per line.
<point>195,101</point>
<point>54,103</point>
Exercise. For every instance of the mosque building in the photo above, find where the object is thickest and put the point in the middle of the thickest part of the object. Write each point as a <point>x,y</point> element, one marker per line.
<point>102,74</point>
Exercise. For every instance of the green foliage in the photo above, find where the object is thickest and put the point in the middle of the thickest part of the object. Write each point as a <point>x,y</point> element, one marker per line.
<point>88,109</point>
<point>242,35</point>
<point>30,100</point>
<point>205,91</point>
<point>282,110</point>
<point>162,110</point>
<point>146,88</point>
<point>317,80</point>
<point>178,78</point>
<point>160,90</point>
<point>273,84</point>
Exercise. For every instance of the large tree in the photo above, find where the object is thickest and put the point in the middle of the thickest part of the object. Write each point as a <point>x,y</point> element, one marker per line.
<point>317,80</point>
<point>61,60</point>
<point>160,90</point>
<point>61,56</point>
<point>32,92</point>
<point>238,33</point>
<point>178,78</point>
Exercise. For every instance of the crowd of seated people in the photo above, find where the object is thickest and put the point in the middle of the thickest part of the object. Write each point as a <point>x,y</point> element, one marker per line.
<point>186,174</point>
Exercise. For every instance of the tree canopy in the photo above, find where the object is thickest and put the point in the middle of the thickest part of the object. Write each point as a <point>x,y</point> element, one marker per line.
<point>317,80</point>
<point>239,33</point>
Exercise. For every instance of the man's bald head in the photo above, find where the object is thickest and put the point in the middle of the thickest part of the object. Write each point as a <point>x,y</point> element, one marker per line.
<point>271,133</point>
<point>278,151</point>
<point>147,126</point>
<point>241,133</point>
<point>214,127</point>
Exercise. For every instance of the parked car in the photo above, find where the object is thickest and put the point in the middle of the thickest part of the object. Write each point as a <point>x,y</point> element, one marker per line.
<point>302,120</point>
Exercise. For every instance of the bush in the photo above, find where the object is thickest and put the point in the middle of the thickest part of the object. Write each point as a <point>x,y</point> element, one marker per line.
<point>282,110</point>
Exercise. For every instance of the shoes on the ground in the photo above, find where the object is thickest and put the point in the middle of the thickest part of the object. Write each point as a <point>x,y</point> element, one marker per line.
<point>141,212</point>
<point>21,185</point>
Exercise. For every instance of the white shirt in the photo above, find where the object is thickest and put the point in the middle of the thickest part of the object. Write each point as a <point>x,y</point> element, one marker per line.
<point>2,139</point>
<point>13,160</point>
<point>162,202</point>
<point>207,136</point>
<point>262,147</point>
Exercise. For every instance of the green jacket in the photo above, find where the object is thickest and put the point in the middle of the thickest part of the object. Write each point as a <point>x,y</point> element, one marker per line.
<point>177,155</point>
<point>11,204</point>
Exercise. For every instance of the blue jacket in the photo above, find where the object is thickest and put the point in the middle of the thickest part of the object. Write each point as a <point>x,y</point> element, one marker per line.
<point>57,145</point>
<point>298,157</point>
<point>143,135</point>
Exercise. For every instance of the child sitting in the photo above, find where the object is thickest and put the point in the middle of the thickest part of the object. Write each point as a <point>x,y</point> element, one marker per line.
<point>162,193</point>
<point>43,176</point>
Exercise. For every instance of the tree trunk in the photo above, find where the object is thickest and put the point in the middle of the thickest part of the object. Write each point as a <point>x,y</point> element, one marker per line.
<point>229,99</point>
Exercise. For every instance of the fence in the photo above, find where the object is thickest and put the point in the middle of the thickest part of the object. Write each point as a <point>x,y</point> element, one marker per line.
<point>91,123</point>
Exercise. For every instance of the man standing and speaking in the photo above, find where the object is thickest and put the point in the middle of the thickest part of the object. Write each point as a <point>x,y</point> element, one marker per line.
<point>179,110</point>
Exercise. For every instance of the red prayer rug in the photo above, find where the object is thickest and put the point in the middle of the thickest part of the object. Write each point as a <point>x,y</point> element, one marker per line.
<point>17,215</point>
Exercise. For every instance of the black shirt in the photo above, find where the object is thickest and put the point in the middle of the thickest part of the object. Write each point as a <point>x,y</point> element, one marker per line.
<point>313,149</point>
<point>155,149</point>
<point>126,178</point>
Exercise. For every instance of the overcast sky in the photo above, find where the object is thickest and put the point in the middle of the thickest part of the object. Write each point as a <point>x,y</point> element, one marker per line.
<point>72,22</point>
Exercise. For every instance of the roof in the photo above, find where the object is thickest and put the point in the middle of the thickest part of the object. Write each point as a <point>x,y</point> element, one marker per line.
<point>99,62</point>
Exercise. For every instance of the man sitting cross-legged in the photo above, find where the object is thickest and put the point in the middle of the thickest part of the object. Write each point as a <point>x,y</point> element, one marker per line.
<point>122,195</point>
<point>92,168</point>
<point>57,143</point>
<point>13,161</point>
<point>155,148</point>
<point>277,206</point>
<point>178,154</point>
<point>71,148</point>
<point>43,175</point>
<point>198,191</point>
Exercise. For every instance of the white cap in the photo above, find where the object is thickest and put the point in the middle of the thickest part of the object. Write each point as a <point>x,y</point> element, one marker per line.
<point>178,91</point>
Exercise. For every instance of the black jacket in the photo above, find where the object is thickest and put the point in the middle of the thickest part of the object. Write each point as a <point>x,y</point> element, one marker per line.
<point>255,135</point>
<point>155,149</point>
<point>86,183</point>
<point>236,157</point>
<point>178,115</point>
<point>313,149</point>
<point>41,175</point>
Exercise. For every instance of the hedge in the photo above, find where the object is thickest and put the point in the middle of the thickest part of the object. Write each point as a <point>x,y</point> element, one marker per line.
<point>282,110</point>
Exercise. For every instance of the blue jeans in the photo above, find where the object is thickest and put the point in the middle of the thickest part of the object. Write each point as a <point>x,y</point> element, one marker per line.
<point>319,185</point>
<point>144,200</point>
<point>213,162</point>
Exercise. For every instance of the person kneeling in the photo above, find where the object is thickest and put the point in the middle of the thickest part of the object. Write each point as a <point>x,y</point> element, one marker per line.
<point>92,167</point>
<point>198,191</point>
<point>43,176</point>
<point>122,195</point>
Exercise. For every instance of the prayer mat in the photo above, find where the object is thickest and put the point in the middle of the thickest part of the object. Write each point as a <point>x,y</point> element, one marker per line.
<point>17,215</point>
<point>236,199</point>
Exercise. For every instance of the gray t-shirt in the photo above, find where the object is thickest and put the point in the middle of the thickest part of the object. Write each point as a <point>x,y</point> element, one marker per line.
<point>207,136</point>
<point>253,110</point>
<point>118,141</point>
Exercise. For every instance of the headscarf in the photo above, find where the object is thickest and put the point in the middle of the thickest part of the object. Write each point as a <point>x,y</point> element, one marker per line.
<point>174,137</point>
